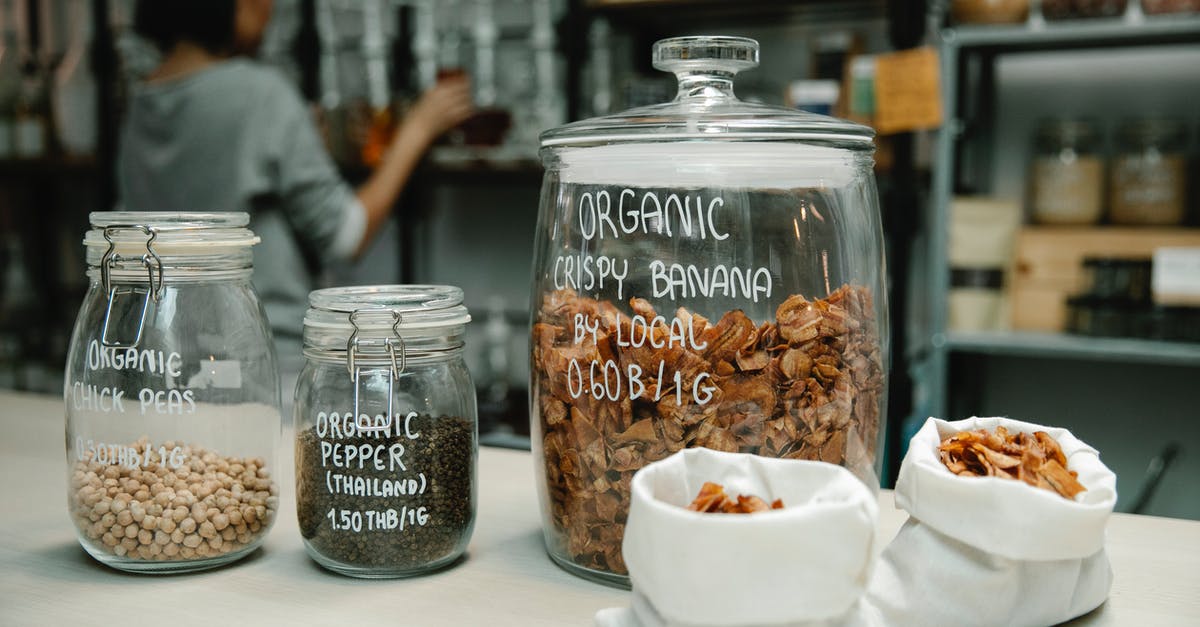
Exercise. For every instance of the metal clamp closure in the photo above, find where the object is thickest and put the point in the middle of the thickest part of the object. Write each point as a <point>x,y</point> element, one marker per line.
<point>359,348</point>
<point>154,291</point>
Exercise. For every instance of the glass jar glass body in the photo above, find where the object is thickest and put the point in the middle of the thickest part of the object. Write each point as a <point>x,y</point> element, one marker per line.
<point>726,295</point>
<point>1067,173</point>
<point>398,498</point>
<point>172,438</point>
<point>1149,173</point>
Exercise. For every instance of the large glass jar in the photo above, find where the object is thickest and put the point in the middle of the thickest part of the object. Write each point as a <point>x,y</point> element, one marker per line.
<point>1066,177</point>
<point>708,273</point>
<point>1149,173</point>
<point>386,437</point>
<point>172,395</point>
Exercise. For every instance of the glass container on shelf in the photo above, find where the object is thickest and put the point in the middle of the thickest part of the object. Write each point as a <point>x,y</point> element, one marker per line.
<point>989,11</point>
<point>1149,173</point>
<point>31,119</point>
<point>10,77</point>
<point>75,86</point>
<point>1159,7</point>
<point>172,395</point>
<point>386,435</point>
<point>707,272</point>
<point>1079,9</point>
<point>1067,174</point>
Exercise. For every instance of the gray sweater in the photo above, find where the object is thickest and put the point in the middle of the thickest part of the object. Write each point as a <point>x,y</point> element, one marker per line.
<point>237,137</point>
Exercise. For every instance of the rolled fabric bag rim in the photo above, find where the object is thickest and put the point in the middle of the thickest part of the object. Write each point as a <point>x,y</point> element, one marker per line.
<point>992,514</point>
<point>811,560</point>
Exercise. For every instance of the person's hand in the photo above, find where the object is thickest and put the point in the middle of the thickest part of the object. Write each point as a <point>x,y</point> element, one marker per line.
<point>441,108</point>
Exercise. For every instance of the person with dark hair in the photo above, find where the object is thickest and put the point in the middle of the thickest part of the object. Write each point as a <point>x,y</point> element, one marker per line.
<point>212,130</point>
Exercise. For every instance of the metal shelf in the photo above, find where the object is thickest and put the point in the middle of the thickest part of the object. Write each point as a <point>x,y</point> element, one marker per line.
<point>1132,29</point>
<point>1063,346</point>
<point>979,47</point>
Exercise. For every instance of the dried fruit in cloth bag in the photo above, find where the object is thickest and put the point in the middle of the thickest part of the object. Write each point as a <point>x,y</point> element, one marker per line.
<point>1035,458</point>
<point>806,384</point>
<point>713,500</point>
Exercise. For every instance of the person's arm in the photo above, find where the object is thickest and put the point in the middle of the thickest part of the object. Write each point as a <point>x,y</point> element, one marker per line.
<point>440,108</point>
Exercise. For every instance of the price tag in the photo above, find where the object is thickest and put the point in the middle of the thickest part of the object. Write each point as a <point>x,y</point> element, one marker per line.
<point>908,95</point>
<point>1176,276</point>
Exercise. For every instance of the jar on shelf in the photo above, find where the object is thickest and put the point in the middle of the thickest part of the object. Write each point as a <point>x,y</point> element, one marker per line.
<point>1160,7</point>
<point>989,11</point>
<point>172,395</point>
<point>386,430</point>
<point>1067,174</point>
<point>708,272</point>
<point>1149,173</point>
<point>1082,9</point>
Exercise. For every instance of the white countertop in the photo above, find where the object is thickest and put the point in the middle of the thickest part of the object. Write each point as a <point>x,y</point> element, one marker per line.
<point>506,579</point>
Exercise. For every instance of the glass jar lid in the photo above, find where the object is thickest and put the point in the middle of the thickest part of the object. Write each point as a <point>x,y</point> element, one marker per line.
<point>1067,132</point>
<point>422,315</point>
<point>706,109</point>
<point>167,234</point>
<point>1157,132</point>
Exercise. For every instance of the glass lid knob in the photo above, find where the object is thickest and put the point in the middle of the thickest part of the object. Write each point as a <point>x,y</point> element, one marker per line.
<point>705,66</point>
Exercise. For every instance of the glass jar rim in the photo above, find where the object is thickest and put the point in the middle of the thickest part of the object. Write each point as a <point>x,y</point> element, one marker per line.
<point>411,308</point>
<point>170,233</point>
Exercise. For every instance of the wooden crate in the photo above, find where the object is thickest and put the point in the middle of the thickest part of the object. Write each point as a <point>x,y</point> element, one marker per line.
<point>1048,266</point>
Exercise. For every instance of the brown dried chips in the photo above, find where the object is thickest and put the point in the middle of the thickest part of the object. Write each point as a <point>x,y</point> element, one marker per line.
<point>806,385</point>
<point>713,500</point>
<point>1035,458</point>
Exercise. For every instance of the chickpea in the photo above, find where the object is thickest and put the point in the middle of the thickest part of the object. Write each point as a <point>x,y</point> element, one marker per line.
<point>131,531</point>
<point>188,525</point>
<point>118,506</point>
<point>149,522</point>
<point>125,518</point>
<point>145,537</point>
<point>109,540</point>
<point>166,524</point>
<point>220,521</point>
<point>171,550</point>
<point>187,553</point>
<point>192,541</point>
<point>177,536</point>
<point>162,538</point>
<point>207,530</point>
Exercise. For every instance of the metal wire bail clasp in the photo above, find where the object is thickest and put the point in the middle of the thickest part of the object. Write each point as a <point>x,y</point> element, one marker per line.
<point>355,351</point>
<point>153,290</point>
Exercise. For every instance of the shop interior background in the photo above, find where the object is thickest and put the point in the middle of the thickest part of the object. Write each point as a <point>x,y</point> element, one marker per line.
<point>468,218</point>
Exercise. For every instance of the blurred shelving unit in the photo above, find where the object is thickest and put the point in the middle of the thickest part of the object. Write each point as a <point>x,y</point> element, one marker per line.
<point>1129,397</point>
<point>981,46</point>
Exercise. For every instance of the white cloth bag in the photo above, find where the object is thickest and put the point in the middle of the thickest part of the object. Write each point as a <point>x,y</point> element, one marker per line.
<point>808,563</point>
<point>992,551</point>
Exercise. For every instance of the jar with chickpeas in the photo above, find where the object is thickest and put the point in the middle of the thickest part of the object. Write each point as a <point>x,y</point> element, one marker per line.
<point>172,395</point>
